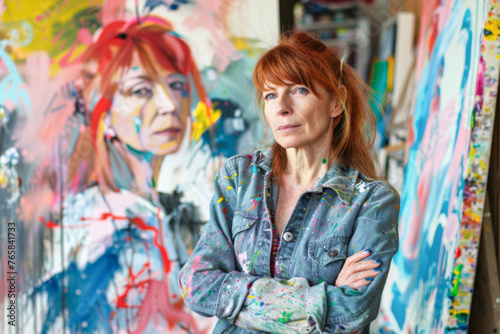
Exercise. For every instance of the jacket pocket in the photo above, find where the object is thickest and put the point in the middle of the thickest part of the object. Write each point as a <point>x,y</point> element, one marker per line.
<point>328,257</point>
<point>242,220</point>
<point>244,236</point>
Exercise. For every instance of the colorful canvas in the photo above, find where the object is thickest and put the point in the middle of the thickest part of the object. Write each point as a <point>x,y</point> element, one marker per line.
<point>114,118</point>
<point>430,285</point>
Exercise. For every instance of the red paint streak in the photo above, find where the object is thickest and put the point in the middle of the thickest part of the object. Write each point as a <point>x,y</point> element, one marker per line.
<point>164,255</point>
<point>144,227</point>
<point>106,216</point>
<point>121,301</point>
<point>51,224</point>
<point>458,252</point>
<point>101,107</point>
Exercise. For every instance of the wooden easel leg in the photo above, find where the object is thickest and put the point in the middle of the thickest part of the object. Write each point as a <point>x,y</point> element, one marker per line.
<point>485,308</point>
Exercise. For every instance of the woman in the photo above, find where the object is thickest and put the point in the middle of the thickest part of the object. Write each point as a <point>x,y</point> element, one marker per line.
<point>301,235</point>
<point>122,242</point>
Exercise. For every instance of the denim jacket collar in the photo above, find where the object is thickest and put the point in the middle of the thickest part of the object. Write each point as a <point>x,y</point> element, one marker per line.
<point>339,178</point>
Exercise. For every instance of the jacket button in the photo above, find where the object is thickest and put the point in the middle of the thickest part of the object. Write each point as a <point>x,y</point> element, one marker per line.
<point>287,236</point>
<point>307,197</point>
<point>333,253</point>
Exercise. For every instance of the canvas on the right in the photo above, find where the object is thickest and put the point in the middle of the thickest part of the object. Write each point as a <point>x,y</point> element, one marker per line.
<point>429,288</point>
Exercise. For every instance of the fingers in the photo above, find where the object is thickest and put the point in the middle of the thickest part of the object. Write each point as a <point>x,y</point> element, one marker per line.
<point>362,278</point>
<point>354,263</point>
<point>357,257</point>
<point>357,273</point>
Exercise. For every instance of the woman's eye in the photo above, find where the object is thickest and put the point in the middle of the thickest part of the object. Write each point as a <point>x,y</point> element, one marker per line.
<point>270,96</point>
<point>143,92</point>
<point>302,90</point>
<point>178,85</point>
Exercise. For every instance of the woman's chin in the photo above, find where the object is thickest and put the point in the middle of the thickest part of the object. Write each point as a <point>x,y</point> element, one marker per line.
<point>162,151</point>
<point>286,144</point>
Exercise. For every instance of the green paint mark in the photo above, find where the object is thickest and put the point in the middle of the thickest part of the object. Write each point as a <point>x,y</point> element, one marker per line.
<point>286,317</point>
<point>456,282</point>
<point>353,292</point>
<point>336,224</point>
<point>333,304</point>
<point>253,259</point>
<point>343,106</point>
<point>202,300</point>
<point>324,161</point>
<point>320,281</point>
<point>224,92</point>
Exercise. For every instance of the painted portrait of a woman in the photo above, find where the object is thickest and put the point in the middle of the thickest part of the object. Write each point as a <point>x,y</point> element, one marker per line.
<point>120,245</point>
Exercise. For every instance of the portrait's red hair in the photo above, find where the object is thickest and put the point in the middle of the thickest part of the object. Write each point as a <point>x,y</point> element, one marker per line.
<point>159,48</point>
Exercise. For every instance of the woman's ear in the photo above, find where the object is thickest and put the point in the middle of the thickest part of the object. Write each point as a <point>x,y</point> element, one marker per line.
<point>339,103</point>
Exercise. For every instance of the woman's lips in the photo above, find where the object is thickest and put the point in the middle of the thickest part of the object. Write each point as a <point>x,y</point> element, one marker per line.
<point>169,131</point>
<point>286,128</point>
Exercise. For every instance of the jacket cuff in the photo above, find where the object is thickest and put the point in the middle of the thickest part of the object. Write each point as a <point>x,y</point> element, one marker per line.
<point>232,294</point>
<point>316,307</point>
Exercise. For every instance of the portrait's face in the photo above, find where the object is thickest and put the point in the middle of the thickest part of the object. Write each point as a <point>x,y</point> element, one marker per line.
<point>151,115</point>
<point>297,117</point>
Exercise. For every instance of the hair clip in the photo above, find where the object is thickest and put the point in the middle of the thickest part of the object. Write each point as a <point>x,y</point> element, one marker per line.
<point>343,54</point>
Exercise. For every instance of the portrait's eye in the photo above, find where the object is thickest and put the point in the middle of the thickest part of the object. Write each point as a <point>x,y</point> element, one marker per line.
<point>270,96</point>
<point>178,85</point>
<point>143,92</point>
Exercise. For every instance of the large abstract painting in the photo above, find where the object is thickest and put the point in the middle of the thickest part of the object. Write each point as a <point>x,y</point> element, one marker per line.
<point>430,285</point>
<point>114,117</point>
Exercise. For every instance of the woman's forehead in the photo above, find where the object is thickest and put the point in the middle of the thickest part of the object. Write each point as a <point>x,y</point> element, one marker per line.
<point>271,85</point>
<point>138,70</point>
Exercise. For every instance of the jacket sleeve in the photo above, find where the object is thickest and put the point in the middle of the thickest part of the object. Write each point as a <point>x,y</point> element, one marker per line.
<point>210,284</point>
<point>376,228</point>
<point>325,308</point>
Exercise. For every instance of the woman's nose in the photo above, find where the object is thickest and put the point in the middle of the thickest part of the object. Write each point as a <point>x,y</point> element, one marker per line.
<point>164,102</point>
<point>282,107</point>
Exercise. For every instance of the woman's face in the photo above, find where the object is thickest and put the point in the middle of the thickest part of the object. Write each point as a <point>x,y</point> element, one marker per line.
<point>297,117</point>
<point>148,114</point>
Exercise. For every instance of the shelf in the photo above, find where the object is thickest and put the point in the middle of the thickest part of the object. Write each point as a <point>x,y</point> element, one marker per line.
<point>350,23</point>
<point>332,42</point>
<point>337,6</point>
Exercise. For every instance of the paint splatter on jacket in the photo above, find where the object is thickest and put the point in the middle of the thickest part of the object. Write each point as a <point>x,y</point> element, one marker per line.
<point>228,274</point>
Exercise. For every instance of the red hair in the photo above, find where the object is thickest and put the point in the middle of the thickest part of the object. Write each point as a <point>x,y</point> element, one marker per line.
<point>156,44</point>
<point>304,60</point>
<point>159,48</point>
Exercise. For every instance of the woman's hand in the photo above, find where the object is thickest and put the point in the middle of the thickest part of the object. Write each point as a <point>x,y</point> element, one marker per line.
<point>357,273</point>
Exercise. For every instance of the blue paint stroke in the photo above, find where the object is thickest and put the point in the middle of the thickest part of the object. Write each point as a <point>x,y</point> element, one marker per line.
<point>89,306</point>
<point>11,85</point>
<point>423,272</point>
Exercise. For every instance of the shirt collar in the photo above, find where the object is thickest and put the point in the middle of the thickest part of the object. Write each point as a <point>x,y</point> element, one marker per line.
<point>339,178</point>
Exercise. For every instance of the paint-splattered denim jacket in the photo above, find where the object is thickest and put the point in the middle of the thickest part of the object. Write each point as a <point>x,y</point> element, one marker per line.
<point>228,274</point>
